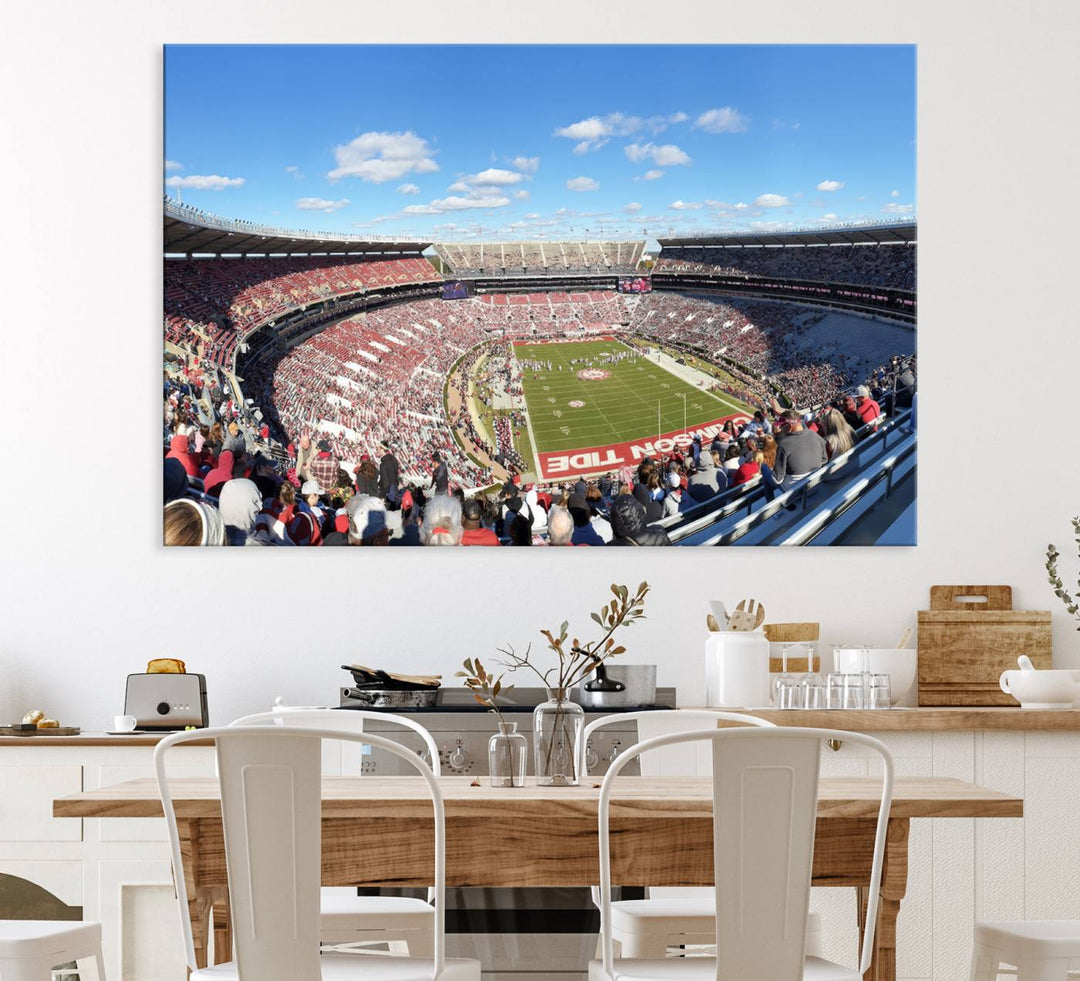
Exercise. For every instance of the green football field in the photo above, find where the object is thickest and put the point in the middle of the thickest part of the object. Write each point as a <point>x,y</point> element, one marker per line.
<point>617,409</point>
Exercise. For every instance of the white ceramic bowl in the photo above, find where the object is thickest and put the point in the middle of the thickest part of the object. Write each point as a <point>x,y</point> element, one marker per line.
<point>1042,689</point>
<point>900,664</point>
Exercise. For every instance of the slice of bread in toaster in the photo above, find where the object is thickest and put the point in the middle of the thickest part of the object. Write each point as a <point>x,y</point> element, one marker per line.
<point>166,665</point>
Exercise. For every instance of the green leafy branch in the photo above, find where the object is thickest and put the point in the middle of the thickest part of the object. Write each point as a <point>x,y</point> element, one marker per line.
<point>1071,601</point>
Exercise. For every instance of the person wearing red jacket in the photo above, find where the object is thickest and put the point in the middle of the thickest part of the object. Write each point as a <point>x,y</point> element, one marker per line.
<point>866,408</point>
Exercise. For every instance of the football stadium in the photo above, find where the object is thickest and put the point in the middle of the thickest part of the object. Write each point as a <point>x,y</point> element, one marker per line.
<point>753,384</point>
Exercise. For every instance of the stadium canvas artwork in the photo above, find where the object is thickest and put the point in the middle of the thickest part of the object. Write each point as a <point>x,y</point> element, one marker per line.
<point>594,303</point>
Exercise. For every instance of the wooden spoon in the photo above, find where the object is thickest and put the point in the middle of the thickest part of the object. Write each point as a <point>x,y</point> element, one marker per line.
<point>748,617</point>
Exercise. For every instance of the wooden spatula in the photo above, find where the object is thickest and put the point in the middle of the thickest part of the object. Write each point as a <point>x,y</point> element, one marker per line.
<point>748,615</point>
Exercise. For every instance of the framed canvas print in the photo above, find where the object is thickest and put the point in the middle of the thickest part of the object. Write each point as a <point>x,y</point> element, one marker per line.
<point>588,306</point>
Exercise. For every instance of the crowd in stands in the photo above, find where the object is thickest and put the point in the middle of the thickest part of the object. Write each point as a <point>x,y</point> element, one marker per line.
<point>214,303</point>
<point>244,500</point>
<point>522,258</point>
<point>890,265</point>
<point>770,339</point>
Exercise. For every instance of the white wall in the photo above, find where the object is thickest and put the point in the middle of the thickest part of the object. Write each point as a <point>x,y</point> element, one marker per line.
<point>89,595</point>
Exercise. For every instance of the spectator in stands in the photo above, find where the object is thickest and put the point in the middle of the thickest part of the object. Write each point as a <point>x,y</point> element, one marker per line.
<point>367,523</point>
<point>839,436</point>
<point>748,469</point>
<point>703,482</point>
<point>389,476</point>
<point>676,500</point>
<point>190,522</point>
<point>175,483</point>
<point>472,521</point>
<point>654,510</point>
<point>584,531</point>
<point>799,453</point>
<point>629,526</point>
<point>305,453</point>
<point>304,529</point>
<point>519,527</point>
<point>235,440</point>
<point>560,527</point>
<point>868,410</point>
<point>367,477</point>
<point>440,477</point>
<point>240,504</point>
<point>732,459</point>
<point>324,467</point>
<point>178,450</point>
<point>442,522</point>
<point>220,474</point>
<point>312,493</point>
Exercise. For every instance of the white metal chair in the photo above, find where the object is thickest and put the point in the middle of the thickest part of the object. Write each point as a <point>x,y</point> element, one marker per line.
<point>271,810</point>
<point>1041,950</point>
<point>399,921</point>
<point>765,790</point>
<point>675,916</point>
<point>30,949</point>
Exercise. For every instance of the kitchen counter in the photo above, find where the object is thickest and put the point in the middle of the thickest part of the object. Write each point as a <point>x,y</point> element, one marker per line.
<point>88,739</point>
<point>923,719</point>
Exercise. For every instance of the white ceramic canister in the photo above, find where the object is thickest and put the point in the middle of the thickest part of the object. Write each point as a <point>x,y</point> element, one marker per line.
<point>737,669</point>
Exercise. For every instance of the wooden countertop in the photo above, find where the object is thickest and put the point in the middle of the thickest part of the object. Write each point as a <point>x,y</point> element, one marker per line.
<point>91,739</point>
<point>922,719</point>
<point>655,797</point>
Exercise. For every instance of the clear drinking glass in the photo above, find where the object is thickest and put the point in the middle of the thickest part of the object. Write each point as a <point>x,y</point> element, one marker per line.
<point>813,691</point>
<point>788,692</point>
<point>557,726</point>
<point>834,690</point>
<point>508,755</point>
<point>785,677</point>
<point>879,693</point>
<point>853,691</point>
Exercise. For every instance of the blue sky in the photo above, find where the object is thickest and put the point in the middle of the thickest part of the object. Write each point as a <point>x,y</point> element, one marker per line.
<point>524,142</point>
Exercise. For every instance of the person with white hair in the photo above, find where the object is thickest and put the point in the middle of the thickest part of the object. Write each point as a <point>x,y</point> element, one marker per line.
<point>442,521</point>
<point>189,522</point>
<point>560,526</point>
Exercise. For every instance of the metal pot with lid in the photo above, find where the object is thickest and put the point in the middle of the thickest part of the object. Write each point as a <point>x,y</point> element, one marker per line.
<point>619,686</point>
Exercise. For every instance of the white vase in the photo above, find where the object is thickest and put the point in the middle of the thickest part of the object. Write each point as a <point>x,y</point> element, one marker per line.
<point>737,669</point>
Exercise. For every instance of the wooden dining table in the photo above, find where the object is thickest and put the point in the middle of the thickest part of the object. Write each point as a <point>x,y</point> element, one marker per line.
<point>377,832</point>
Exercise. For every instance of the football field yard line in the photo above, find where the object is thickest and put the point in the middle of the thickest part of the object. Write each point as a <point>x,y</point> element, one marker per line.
<point>622,412</point>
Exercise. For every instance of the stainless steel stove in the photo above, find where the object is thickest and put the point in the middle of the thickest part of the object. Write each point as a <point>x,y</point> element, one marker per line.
<point>528,934</point>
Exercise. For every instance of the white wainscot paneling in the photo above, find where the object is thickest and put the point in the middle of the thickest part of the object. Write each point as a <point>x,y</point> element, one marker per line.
<point>999,856</point>
<point>141,933</point>
<point>26,803</point>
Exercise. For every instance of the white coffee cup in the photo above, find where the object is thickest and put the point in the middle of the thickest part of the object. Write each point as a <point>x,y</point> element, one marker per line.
<point>124,723</point>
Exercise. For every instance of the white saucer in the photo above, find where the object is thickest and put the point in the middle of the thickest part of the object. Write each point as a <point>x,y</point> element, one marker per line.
<point>125,732</point>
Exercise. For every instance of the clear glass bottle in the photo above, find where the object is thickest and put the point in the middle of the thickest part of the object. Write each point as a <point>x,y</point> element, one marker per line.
<point>557,726</point>
<point>508,756</point>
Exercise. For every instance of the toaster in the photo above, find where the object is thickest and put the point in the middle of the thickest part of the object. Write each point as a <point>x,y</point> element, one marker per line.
<point>164,702</point>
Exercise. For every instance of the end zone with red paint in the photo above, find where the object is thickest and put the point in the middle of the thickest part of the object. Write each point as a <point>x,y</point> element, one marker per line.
<point>537,341</point>
<point>601,459</point>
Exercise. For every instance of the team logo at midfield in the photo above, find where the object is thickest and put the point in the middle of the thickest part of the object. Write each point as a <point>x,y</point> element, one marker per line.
<point>593,374</point>
<point>576,404</point>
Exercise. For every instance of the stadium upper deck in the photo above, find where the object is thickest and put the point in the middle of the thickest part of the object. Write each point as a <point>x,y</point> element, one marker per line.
<point>539,258</point>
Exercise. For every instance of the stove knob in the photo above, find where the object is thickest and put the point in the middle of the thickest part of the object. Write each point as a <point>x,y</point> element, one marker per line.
<point>458,758</point>
<point>614,752</point>
<point>591,757</point>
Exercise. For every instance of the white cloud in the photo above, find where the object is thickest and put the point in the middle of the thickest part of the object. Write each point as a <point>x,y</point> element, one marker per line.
<point>295,171</point>
<point>595,132</point>
<point>494,177</point>
<point>741,206</point>
<point>828,219</point>
<point>719,205</point>
<point>207,182</point>
<point>650,175</point>
<point>173,165</point>
<point>480,197</point>
<point>681,205</point>
<point>379,157</point>
<point>668,155</point>
<point>581,184</point>
<point>321,204</point>
<point>527,165</point>
<point>408,189</point>
<point>830,185</point>
<point>633,207</point>
<point>894,194</point>
<point>522,195</point>
<point>460,186</point>
<point>892,208</point>
<point>724,120</point>
<point>771,201</point>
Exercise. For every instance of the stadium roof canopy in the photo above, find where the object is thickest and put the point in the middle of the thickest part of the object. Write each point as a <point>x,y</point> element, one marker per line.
<point>901,231</point>
<point>191,231</point>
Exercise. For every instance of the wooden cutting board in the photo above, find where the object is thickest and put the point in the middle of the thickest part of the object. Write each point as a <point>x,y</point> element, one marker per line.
<point>964,645</point>
<point>61,731</point>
